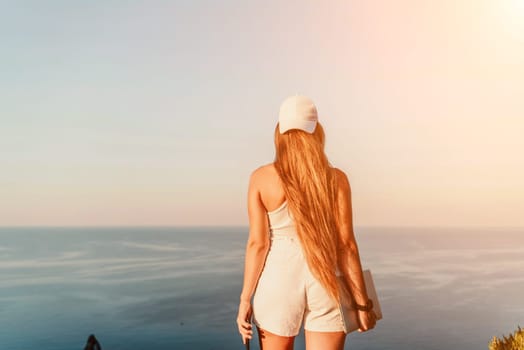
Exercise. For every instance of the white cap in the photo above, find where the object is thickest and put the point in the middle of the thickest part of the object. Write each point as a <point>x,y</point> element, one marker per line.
<point>297,112</point>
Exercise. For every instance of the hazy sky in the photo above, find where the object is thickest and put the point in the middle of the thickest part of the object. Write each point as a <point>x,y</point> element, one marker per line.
<point>156,112</point>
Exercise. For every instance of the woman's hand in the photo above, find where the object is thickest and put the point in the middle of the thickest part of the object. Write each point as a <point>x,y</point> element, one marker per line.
<point>244,320</point>
<point>367,320</point>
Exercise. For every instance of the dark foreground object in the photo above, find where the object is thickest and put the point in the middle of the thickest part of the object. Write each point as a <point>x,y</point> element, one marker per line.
<point>92,343</point>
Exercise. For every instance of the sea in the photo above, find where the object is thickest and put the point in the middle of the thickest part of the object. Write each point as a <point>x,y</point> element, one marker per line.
<point>140,288</point>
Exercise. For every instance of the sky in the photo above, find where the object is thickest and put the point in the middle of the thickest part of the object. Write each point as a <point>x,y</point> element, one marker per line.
<point>156,112</point>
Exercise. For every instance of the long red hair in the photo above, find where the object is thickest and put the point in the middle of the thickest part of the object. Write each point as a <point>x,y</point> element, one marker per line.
<point>310,187</point>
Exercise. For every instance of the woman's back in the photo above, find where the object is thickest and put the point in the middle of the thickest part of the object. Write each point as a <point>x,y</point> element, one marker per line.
<point>271,189</point>
<point>272,192</point>
<point>287,293</point>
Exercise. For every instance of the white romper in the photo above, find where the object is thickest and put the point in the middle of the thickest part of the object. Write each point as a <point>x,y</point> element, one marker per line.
<point>287,294</point>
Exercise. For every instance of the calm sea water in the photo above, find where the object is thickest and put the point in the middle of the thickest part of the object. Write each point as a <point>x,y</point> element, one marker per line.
<point>177,288</point>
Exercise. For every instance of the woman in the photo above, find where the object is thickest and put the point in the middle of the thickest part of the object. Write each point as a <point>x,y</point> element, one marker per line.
<point>302,262</point>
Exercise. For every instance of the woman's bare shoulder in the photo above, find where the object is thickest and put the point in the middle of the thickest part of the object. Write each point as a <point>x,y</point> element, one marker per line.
<point>262,172</point>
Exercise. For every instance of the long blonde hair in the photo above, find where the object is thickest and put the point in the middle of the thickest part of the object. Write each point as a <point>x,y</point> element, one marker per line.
<point>310,187</point>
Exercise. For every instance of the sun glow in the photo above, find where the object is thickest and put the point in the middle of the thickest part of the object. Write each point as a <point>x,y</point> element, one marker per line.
<point>513,17</point>
<point>519,4</point>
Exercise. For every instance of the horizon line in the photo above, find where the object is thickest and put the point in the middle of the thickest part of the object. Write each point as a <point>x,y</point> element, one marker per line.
<point>247,226</point>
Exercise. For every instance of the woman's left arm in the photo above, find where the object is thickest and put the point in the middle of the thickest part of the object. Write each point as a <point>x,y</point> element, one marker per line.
<point>258,241</point>
<point>256,251</point>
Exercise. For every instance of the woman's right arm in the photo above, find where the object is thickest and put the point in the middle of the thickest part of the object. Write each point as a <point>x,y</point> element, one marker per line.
<point>349,257</point>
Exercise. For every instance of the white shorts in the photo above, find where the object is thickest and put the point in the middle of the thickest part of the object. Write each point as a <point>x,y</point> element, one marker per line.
<point>287,294</point>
